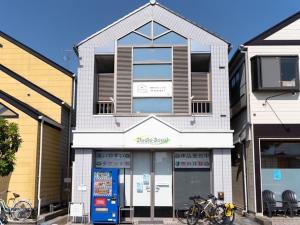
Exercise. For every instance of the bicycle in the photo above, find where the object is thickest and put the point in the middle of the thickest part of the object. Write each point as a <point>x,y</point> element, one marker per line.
<point>211,210</point>
<point>21,209</point>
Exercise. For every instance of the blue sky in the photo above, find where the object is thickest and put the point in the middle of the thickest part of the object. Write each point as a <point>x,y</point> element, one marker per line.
<point>52,27</point>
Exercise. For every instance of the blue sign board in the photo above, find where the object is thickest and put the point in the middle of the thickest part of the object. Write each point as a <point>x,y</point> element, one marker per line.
<point>277,175</point>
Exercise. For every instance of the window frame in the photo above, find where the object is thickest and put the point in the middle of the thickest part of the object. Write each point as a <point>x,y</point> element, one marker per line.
<point>256,72</point>
<point>152,80</point>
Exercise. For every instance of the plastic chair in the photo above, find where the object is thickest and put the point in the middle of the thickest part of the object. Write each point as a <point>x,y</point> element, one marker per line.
<point>290,198</point>
<point>271,206</point>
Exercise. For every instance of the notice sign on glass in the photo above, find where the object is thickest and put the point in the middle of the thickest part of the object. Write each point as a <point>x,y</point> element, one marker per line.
<point>113,159</point>
<point>192,160</point>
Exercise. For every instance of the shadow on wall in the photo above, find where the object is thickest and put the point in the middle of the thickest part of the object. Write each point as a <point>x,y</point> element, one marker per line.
<point>4,183</point>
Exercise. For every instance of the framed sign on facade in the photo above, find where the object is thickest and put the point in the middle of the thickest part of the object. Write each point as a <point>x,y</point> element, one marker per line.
<point>192,160</point>
<point>152,89</point>
<point>113,159</point>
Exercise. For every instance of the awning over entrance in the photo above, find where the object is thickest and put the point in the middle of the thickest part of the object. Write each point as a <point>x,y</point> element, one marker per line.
<point>152,132</point>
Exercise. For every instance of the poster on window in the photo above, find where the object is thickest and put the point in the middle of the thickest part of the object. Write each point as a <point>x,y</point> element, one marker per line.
<point>113,159</point>
<point>192,160</point>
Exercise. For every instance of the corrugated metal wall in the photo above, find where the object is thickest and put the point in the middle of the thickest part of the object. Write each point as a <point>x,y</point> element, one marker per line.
<point>105,86</point>
<point>180,80</point>
<point>124,80</point>
<point>200,86</point>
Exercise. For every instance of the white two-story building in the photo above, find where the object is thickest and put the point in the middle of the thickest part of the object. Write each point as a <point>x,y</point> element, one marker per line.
<point>153,101</point>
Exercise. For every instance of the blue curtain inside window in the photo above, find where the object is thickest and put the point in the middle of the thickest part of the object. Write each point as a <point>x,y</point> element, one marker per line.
<point>152,105</point>
<point>146,30</point>
<point>171,39</point>
<point>134,39</point>
<point>158,29</point>
<point>152,54</point>
<point>152,72</point>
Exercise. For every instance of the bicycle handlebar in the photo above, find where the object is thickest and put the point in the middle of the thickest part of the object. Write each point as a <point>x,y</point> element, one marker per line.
<point>196,197</point>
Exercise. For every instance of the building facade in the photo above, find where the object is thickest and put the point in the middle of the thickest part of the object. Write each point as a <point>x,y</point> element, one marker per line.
<point>265,106</point>
<point>153,101</point>
<point>36,93</point>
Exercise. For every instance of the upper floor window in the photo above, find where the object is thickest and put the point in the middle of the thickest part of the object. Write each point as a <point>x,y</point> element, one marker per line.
<point>104,84</point>
<point>275,73</point>
<point>152,33</point>
<point>152,63</point>
<point>237,84</point>
<point>201,83</point>
<point>6,112</point>
<point>152,80</point>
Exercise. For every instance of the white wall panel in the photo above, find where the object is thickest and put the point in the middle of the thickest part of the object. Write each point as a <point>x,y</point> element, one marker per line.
<point>284,108</point>
<point>290,32</point>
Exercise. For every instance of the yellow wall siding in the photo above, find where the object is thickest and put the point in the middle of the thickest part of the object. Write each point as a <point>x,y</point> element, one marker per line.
<point>51,166</point>
<point>36,70</point>
<point>30,97</point>
<point>23,179</point>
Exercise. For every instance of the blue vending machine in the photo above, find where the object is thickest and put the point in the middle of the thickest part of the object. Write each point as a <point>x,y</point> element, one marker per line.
<point>105,196</point>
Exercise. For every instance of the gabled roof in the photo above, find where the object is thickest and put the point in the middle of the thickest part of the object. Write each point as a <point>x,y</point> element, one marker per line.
<point>32,112</point>
<point>148,118</point>
<point>141,8</point>
<point>260,39</point>
<point>33,86</point>
<point>36,54</point>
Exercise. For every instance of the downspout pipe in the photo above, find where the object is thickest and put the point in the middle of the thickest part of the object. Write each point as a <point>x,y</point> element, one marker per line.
<point>244,50</point>
<point>40,165</point>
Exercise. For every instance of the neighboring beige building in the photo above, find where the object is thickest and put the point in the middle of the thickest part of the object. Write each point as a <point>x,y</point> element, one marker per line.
<point>36,93</point>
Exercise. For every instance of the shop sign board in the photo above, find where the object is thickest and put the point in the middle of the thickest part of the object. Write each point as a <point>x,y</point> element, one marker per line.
<point>152,89</point>
<point>113,159</point>
<point>150,140</point>
<point>192,160</point>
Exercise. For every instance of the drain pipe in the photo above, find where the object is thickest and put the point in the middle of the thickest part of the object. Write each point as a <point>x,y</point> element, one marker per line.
<point>40,166</point>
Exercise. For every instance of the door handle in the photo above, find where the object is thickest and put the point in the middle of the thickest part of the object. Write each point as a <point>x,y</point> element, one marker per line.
<point>156,188</point>
<point>148,189</point>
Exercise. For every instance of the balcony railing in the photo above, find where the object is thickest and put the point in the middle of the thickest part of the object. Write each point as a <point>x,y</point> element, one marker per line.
<point>105,107</point>
<point>201,107</point>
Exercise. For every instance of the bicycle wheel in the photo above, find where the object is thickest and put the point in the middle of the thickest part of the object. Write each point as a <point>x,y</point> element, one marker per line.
<point>22,210</point>
<point>219,215</point>
<point>192,216</point>
<point>229,219</point>
<point>181,215</point>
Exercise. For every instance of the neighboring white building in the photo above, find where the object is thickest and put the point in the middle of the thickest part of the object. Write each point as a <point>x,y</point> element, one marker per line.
<point>265,115</point>
<point>153,100</point>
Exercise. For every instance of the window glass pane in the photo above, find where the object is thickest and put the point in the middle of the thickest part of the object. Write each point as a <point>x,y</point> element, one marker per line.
<point>6,112</point>
<point>288,70</point>
<point>171,39</point>
<point>146,29</point>
<point>280,162</point>
<point>152,54</point>
<point>152,105</point>
<point>270,69</point>
<point>134,39</point>
<point>158,29</point>
<point>152,72</point>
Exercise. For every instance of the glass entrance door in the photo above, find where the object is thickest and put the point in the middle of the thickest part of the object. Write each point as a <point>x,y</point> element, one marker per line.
<point>162,188</point>
<point>142,165</point>
<point>152,184</point>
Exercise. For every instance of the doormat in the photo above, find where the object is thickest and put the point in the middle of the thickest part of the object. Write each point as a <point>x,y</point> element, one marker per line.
<point>151,222</point>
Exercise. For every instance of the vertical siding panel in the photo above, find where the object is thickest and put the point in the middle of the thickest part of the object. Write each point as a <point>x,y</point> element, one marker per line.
<point>180,80</point>
<point>124,65</point>
<point>105,86</point>
<point>200,85</point>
